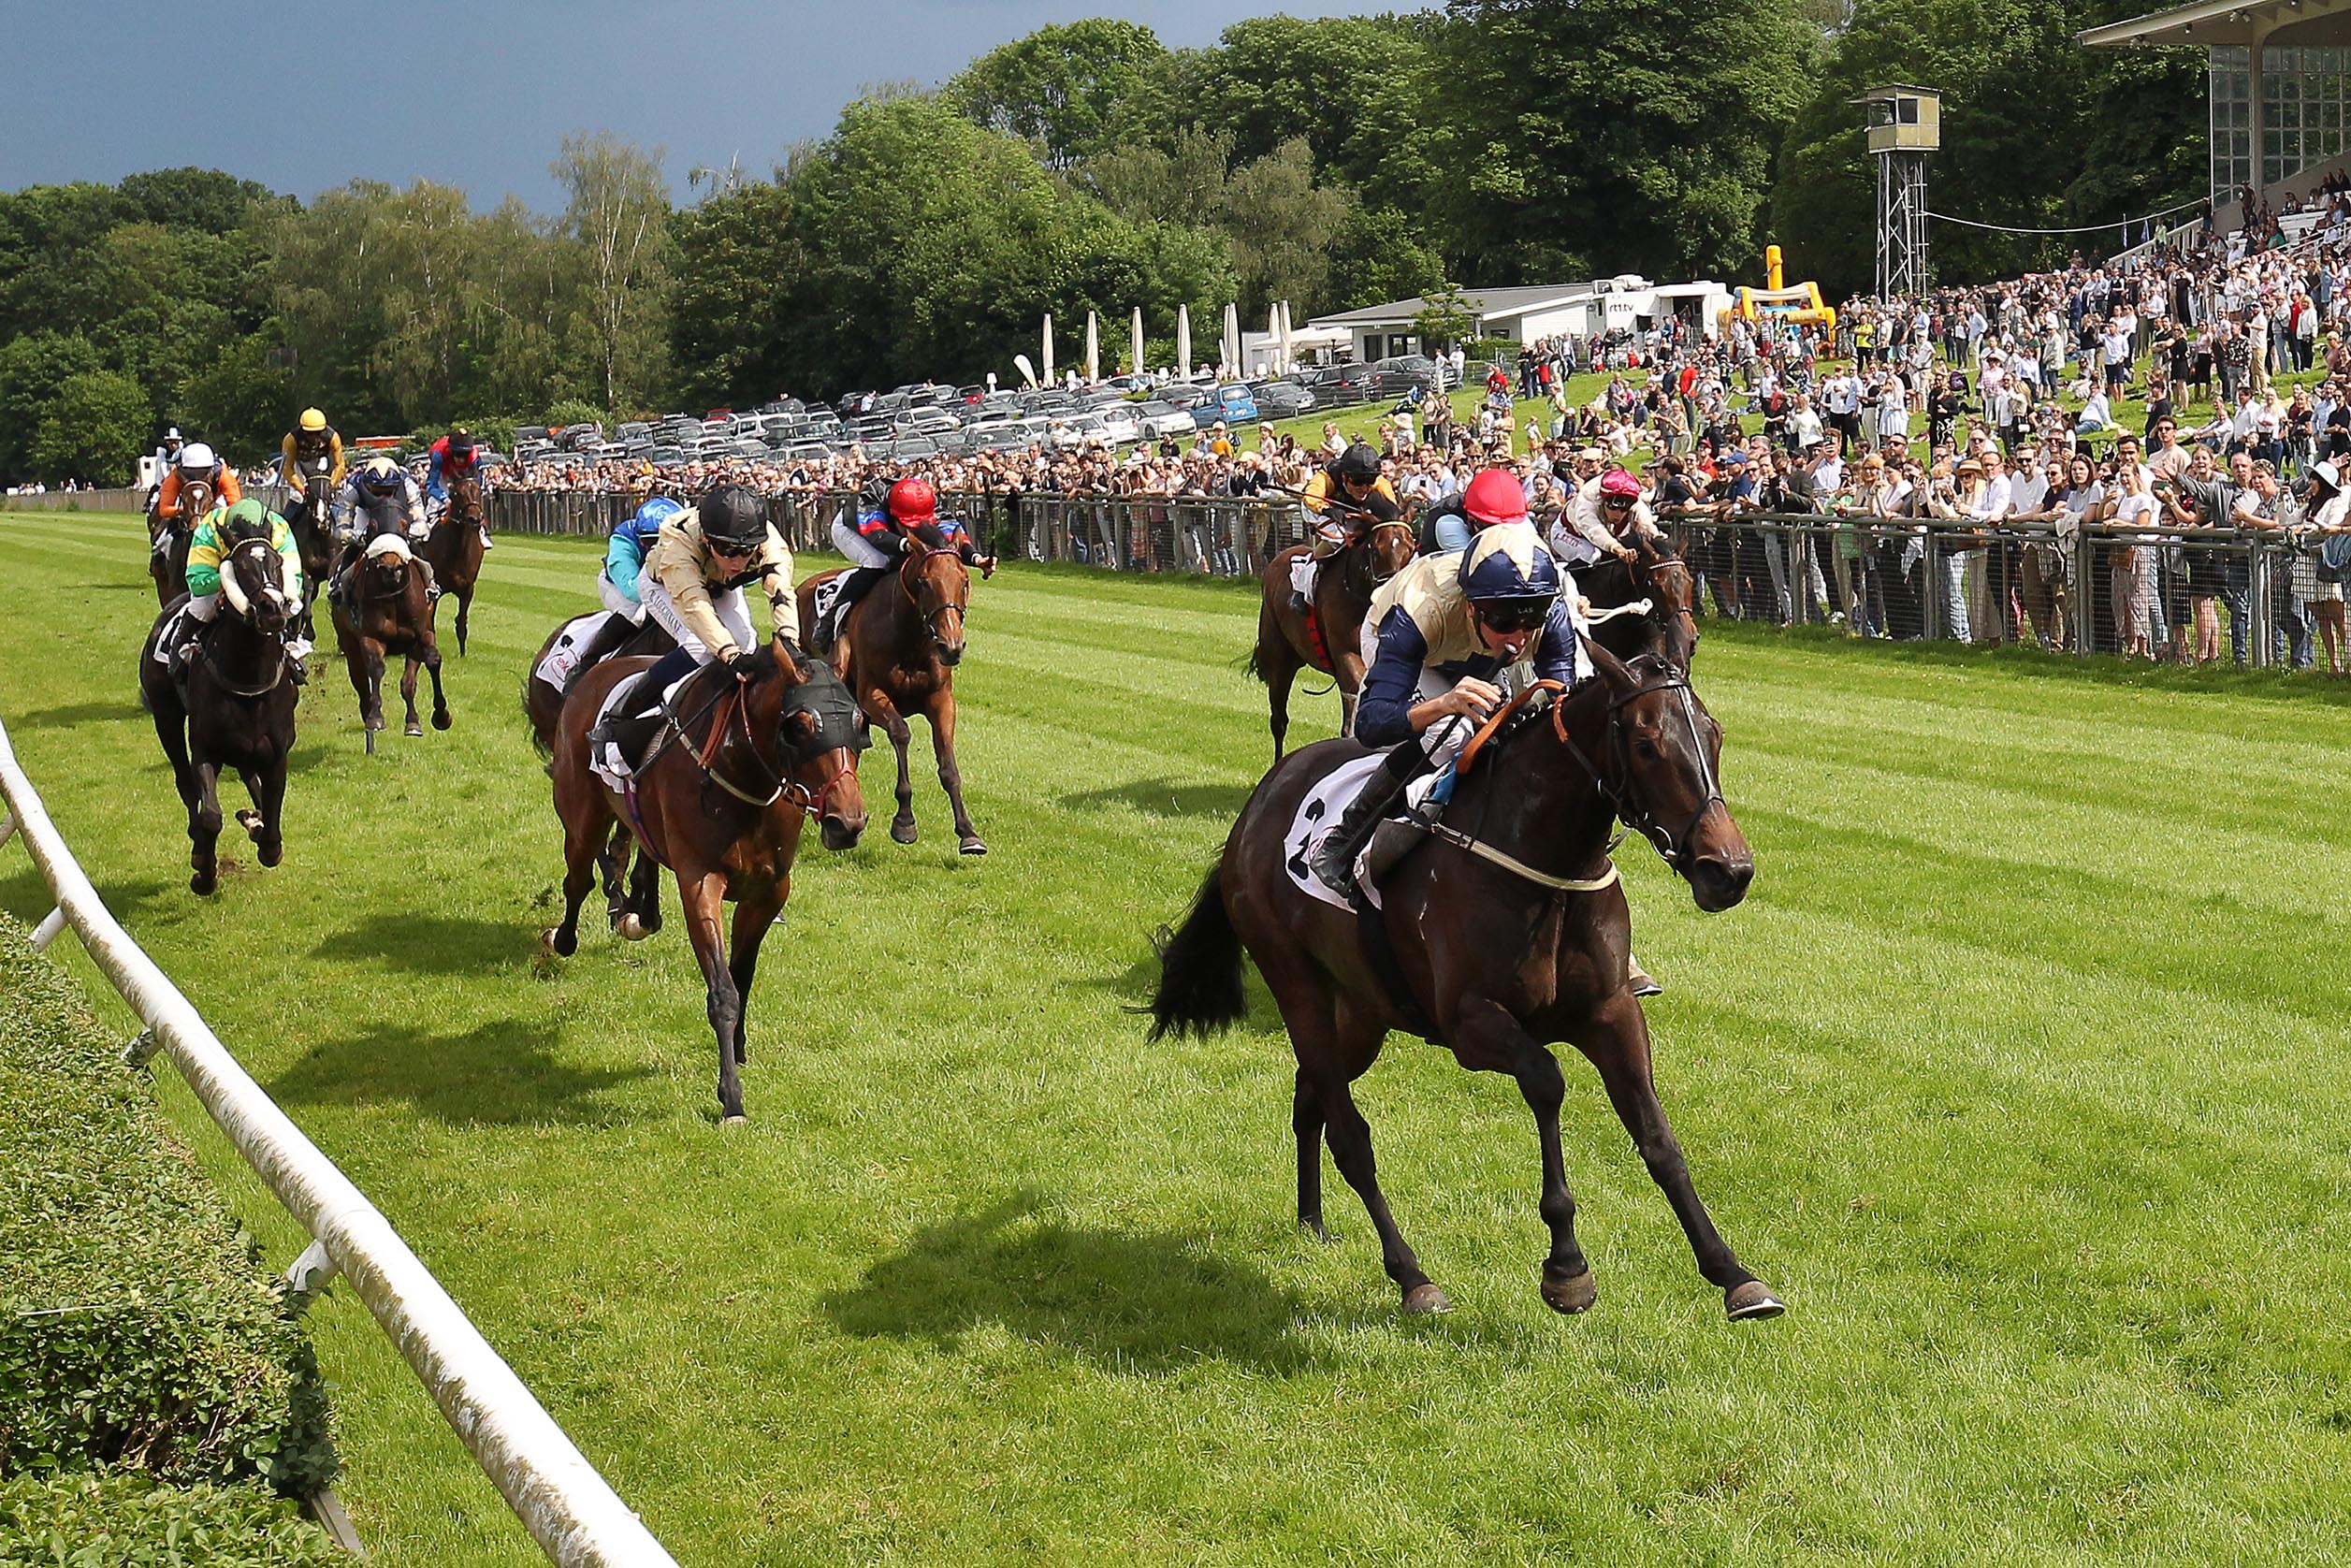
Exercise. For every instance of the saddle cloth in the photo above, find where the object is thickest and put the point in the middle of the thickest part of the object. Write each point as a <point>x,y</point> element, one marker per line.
<point>1319,812</point>
<point>169,637</point>
<point>606,761</point>
<point>828,594</point>
<point>563,655</point>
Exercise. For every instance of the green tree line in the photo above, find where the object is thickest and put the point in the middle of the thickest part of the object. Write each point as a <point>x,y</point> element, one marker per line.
<point>1330,163</point>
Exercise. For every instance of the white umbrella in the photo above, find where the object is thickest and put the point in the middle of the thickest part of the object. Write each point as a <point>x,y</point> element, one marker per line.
<point>1273,339</point>
<point>1289,359</point>
<point>1183,339</point>
<point>1029,371</point>
<point>1093,347</point>
<point>1231,348</point>
<point>1048,349</point>
<point>1135,341</point>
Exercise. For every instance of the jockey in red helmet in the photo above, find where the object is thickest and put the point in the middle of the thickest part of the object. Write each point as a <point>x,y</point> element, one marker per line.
<point>875,533</point>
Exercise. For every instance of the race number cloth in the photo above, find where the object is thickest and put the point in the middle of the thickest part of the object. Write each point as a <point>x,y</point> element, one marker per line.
<point>605,762</point>
<point>563,655</point>
<point>1319,812</point>
<point>827,595</point>
<point>169,638</point>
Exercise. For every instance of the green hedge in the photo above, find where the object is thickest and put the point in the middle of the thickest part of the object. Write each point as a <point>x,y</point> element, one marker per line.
<point>125,1520</point>
<point>137,1326</point>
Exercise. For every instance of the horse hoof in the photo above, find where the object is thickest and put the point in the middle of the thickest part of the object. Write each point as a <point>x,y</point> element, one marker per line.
<point>370,740</point>
<point>631,929</point>
<point>414,731</point>
<point>737,1120</point>
<point>553,940</point>
<point>1426,1300</point>
<point>903,832</point>
<point>1312,1226</point>
<point>1570,1295</point>
<point>441,721</point>
<point>250,819</point>
<point>1752,1302</point>
<point>973,847</point>
<point>273,853</point>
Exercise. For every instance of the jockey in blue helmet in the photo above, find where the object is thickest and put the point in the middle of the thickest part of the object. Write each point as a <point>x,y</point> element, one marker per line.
<point>1444,630</point>
<point>632,541</point>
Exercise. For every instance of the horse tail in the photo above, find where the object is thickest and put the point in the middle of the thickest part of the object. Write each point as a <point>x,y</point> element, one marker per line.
<point>1199,969</point>
<point>1251,666</point>
<point>540,742</point>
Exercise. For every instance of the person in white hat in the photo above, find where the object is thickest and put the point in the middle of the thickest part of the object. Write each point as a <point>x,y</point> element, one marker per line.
<point>2328,507</point>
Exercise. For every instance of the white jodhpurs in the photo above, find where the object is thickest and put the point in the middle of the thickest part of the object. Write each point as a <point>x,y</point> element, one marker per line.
<point>203,607</point>
<point>618,602</point>
<point>733,613</point>
<point>861,550</point>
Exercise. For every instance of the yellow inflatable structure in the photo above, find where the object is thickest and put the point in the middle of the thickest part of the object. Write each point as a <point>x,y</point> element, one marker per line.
<point>1801,304</point>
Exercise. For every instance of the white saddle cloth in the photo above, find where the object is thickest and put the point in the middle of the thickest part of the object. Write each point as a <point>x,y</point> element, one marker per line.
<point>827,595</point>
<point>606,761</point>
<point>1318,814</point>
<point>563,654</point>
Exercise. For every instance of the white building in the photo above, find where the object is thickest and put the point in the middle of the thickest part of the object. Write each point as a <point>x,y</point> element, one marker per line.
<point>1580,310</point>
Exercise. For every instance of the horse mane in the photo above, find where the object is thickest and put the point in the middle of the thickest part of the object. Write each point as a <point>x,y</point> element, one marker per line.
<point>929,536</point>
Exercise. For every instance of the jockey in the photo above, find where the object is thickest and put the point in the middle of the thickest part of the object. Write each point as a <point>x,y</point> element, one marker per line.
<point>1446,626</point>
<point>223,530</point>
<point>632,541</point>
<point>1494,497</point>
<point>692,585</point>
<point>453,458</point>
<point>167,458</point>
<point>878,535</point>
<point>378,498</point>
<point>1338,499</point>
<point>1607,509</point>
<point>196,462</point>
<point>311,447</point>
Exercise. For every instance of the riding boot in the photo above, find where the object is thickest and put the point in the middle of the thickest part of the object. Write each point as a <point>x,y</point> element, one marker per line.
<point>625,724</point>
<point>1333,860</point>
<point>432,588</point>
<point>615,630</point>
<point>187,633</point>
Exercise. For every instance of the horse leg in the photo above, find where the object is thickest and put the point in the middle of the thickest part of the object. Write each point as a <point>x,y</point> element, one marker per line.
<point>1306,1120</point>
<point>1335,1046</point>
<point>645,893</point>
<point>171,728</point>
<point>878,702</point>
<point>1489,1038</point>
<point>266,786</point>
<point>408,696</point>
<point>587,829</point>
<point>204,829</point>
<point>366,678</point>
<point>610,865</point>
<point>752,918</point>
<point>703,893</point>
<point>440,698</point>
<point>950,775</point>
<point>1277,665</point>
<point>1347,673</point>
<point>1617,1041</point>
<point>465,602</point>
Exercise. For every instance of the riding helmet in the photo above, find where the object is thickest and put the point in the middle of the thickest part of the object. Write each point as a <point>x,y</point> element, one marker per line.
<point>1495,497</point>
<point>313,419</point>
<point>913,500</point>
<point>381,473</point>
<point>1615,482</point>
<point>1509,564</point>
<point>197,458</point>
<point>460,444</point>
<point>733,521</point>
<point>247,519</point>
<point>1358,462</point>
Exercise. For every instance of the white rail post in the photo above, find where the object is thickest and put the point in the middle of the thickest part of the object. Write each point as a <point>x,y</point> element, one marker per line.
<point>46,931</point>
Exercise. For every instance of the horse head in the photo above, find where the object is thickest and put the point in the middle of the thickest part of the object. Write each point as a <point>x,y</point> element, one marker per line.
<point>1662,770</point>
<point>1670,588</point>
<point>465,499</point>
<point>253,585</point>
<point>196,500</point>
<point>384,570</point>
<point>938,584</point>
<point>1388,547</point>
<point>818,733</point>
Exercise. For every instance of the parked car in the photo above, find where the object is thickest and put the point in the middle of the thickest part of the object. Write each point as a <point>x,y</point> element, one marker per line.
<point>1186,394</point>
<point>1158,418</point>
<point>1120,426</point>
<point>1281,400</point>
<point>1232,402</point>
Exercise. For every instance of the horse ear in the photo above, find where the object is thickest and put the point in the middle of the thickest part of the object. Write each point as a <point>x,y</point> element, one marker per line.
<point>1610,667</point>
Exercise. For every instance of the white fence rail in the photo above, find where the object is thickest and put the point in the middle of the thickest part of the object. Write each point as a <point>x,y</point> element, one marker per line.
<point>569,1510</point>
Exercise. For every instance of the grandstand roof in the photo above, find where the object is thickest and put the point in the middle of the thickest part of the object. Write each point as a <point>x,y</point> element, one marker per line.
<point>2220,23</point>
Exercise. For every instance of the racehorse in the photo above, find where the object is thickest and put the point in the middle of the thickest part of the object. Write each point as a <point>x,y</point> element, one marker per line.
<point>168,566</point>
<point>235,709</point>
<point>455,547</point>
<point>897,649</point>
<point>720,800</point>
<point>543,705</point>
<point>1508,932</point>
<point>312,519</point>
<point>385,610</point>
<point>1330,637</point>
<point>1659,574</point>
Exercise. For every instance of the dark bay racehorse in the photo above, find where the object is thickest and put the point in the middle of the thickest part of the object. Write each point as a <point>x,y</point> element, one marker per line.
<point>384,611</point>
<point>312,519</point>
<point>455,548</point>
<point>720,800</point>
<point>169,567</point>
<point>1494,951</point>
<point>1657,575</point>
<point>1329,640</point>
<point>897,650</point>
<point>543,705</point>
<point>235,709</point>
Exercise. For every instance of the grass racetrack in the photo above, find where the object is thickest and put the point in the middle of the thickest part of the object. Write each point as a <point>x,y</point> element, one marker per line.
<point>2017,1074</point>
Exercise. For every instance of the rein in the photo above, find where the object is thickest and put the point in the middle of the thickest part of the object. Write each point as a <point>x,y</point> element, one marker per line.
<point>1669,845</point>
<point>238,607</point>
<point>734,703</point>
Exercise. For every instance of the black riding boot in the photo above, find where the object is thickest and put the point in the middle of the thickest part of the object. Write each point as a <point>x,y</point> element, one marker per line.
<point>1334,858</point>
<point>615,630</point>
<point>625,723</point>
<point>854,587</point>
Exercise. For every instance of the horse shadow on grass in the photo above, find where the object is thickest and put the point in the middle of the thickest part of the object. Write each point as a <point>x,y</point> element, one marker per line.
<point>1142,1301</point>
<point>434,945</point>
<point>1155,797</point>
<point>75,713</point>
<point>502,1074</point>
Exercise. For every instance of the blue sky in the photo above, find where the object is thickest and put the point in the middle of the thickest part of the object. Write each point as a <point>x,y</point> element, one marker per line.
<point>304,94</point>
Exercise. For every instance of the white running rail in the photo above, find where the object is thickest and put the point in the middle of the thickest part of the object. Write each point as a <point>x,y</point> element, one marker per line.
<point>569,1510</point>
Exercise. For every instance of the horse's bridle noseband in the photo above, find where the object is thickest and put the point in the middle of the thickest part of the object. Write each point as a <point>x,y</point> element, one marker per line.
<point>1635,814</point>
<point>907,579</point>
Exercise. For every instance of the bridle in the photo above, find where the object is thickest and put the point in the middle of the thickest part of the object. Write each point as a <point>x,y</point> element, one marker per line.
<point>734,703</point>
<point>241,607</point>
<point>909,574</point>
<point>1635,814</point>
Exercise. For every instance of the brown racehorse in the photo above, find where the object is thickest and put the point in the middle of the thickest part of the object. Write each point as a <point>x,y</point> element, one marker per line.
<point>720,800</point>
<point>169,567</point>
<point>1657,575</point>
<point>1286,643</point>
<point>235,709</point>
<point>638,915</point>
<point>542,705</point>
<point>455,548</point>
<point>898,650</point>
<point>385,610</point>
<point>1510,932</point>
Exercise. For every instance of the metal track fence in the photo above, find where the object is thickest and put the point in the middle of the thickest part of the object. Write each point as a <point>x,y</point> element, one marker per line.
<point>569,1510</point>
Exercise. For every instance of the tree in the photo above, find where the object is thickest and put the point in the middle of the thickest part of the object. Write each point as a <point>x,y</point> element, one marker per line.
<point>32,370</point>
<point>1376,257</point>
<point>1279,79</point>
<point>239,399</point>
<point>1444,317</point>
<point>1074,90</point>
<point>736,258</point>
<point>1601,126</point>
<point>1281,226</point>
<point>619,216</point>
<point>94,430</point>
